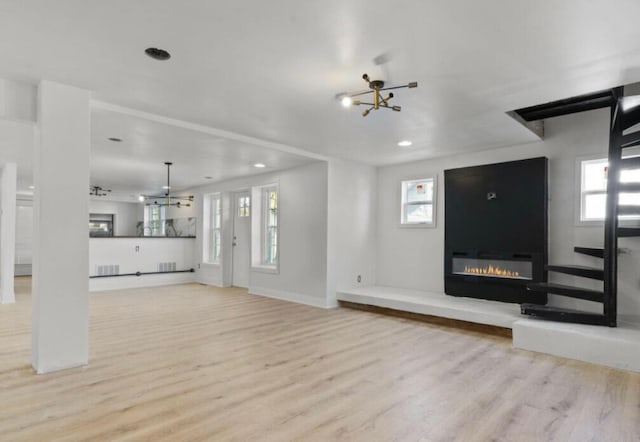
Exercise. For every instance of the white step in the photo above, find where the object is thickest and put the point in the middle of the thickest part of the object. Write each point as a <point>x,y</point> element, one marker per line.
<point>480,311</point>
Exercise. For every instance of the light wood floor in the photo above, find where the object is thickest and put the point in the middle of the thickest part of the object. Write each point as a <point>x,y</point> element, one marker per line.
<point>192,362</point>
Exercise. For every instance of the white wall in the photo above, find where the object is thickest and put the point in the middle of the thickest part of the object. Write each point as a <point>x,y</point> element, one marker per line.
<point>17,100</point>
<point>8,215</point>
<point>303,235</point>
<point>126,215</point>
<point>351,245</point>
<point>140,255</point>
<point>414,258</point>
<point>24,236</point>
<point>17,139</point>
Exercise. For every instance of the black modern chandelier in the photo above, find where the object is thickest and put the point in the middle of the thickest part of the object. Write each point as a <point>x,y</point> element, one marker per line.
<point>98,191</point>
<point>378,100</point>
<point>167,200</point>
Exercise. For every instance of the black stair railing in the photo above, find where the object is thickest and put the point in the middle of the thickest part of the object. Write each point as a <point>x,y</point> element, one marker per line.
<point>611,215</point>
<point>620,120</point>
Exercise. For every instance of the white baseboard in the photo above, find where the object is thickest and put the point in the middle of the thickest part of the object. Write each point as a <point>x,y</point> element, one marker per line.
<point>58,367</point>
<point>291,297</point>
<point>128,282</point>
<point>208,281</point>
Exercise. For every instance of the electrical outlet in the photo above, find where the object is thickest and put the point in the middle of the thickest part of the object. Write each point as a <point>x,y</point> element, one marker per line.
<point>359,278</point>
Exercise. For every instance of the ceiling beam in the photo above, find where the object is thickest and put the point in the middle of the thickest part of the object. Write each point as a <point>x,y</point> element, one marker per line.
<point>96,104</point>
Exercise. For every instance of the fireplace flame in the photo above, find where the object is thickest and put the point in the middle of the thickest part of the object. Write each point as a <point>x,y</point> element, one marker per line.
<point>491,270</point>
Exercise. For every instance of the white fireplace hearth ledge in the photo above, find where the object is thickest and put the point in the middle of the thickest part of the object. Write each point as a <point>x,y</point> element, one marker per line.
<point>613,347</point>
<point>480,311</point>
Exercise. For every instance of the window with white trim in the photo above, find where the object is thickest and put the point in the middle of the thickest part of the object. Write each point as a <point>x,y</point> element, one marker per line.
<point>265,238</point>
<point>213,236</point>
<point>418,202</point>
<point>270,226</point>
<point>244,203</point>
<point>593,190</point>
<point>154,220</point>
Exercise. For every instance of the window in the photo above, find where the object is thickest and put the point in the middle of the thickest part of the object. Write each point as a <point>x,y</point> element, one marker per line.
<point>213,234</point>
<point>243,206</point>
<point>265,240</point>
<point>270,216</point>
<point>593,190</point>
<point>100,224</point>
<point>154,217</point>
<point>418,207</point>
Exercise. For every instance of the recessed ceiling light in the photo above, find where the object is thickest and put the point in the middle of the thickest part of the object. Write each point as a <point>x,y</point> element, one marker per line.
<point>260,165</point>
<point>166,187</point>
<point>32,187</point>
<point>405,143</point>
<point>208,178</point>
<point>157,53</point>
<point>116,140</point>
<point>141,198</point>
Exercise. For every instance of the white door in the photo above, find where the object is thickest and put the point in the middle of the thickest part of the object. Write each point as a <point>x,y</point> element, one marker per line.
<point>241,237</point>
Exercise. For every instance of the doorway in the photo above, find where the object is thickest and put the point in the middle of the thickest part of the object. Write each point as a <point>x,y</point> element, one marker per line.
<point>241,239</point>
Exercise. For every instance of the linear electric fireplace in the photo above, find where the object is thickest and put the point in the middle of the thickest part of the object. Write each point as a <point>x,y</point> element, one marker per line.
<point>492,268</point>
<point>496,230</point>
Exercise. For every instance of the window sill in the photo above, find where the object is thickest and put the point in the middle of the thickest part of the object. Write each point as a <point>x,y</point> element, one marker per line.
<point>589,223</point>
<point>628,222</point>
<point>210,264</point>
<point>265,269</point>
<point>417,226</point>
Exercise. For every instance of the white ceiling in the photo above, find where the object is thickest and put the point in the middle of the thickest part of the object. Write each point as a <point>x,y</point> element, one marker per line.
<point>271,70</point>
<point>137,163</point>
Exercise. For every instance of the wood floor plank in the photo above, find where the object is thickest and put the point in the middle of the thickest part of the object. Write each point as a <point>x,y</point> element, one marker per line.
<point>192,362</point>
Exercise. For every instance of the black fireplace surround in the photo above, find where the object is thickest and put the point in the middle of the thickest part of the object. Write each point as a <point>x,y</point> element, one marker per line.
<point>496,230</point>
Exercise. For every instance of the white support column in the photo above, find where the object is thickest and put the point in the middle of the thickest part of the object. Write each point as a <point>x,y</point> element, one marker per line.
<point>60,336</point>
<point>8,176</point>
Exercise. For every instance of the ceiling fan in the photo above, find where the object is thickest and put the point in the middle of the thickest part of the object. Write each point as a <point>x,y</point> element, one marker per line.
<point>167,199</point>
<point>378,100</point>
<point>98,191</point>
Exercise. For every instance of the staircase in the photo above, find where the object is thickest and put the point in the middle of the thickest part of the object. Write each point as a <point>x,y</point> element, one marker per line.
<point>619,159</point>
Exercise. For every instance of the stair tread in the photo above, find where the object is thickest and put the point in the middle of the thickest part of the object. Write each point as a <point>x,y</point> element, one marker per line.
<point>566,290</point>
<point>565,315</point>
<point>630,118</point>
<point>598,252</point>
<point>630,163</point>
<point>573,266</point>
<point>553,285</point>
<point>628,209</point>
<point>551,308</point>
<point>629,187</point>
<point>577,270</point>
<point>630,140</point>
<point>628,232</point>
